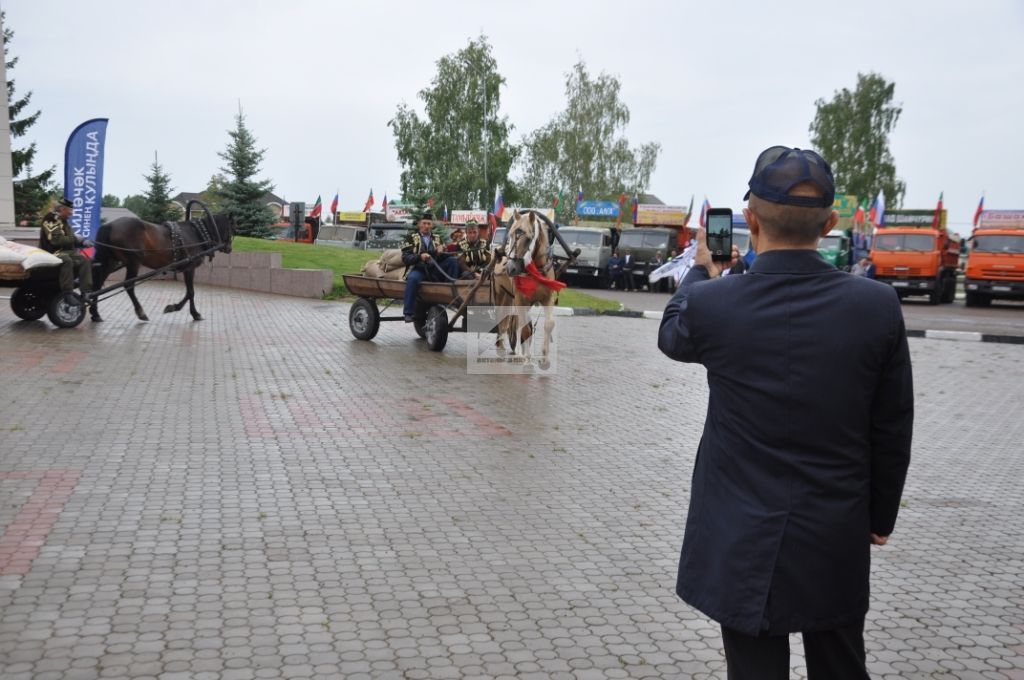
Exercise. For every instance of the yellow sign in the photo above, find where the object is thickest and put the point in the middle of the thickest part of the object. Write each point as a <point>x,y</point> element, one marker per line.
<point>662,215</point>
<point>845,205</point>
<point>351,217</point>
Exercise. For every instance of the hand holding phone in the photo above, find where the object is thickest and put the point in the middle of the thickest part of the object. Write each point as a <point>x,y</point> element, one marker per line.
<point>719,234</point>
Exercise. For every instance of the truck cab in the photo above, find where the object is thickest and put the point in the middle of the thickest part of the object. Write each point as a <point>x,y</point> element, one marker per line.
<point>386,235</point>
<point>835,248</point>
<point>645,242</point>
<point>595,245</point>
<point>995,263</point>
<point>917,260</point>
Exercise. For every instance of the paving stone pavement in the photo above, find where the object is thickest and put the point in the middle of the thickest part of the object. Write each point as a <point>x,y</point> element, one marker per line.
<point>258,495</point>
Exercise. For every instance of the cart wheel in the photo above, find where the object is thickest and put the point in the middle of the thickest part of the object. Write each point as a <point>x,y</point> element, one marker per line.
<point>28,304</point>
<point>364,319</point>
<point>436,328</point>
<point>421,327</point>
<point>65,314</point>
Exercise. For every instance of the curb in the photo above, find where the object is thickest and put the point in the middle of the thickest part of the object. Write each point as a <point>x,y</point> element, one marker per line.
<point>965,336</point>
<point>957,336</point>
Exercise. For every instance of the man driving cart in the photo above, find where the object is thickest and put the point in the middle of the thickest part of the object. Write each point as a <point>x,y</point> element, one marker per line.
<point>425,259</point>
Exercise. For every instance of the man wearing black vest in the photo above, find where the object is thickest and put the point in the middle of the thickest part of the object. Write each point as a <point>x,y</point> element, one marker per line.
<point>807,439</point>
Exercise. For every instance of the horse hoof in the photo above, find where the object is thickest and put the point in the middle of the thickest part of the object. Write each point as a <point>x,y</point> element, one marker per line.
<point>169,308</point>
<point>95,318</point>
<point>143,317</point>
<point>197,317</point>
<point>544,364</point>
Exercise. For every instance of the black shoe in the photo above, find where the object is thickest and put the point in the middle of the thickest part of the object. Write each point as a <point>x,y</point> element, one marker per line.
<point>408,318</point>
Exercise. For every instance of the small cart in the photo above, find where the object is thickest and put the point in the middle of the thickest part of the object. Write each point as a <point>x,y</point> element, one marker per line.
<point>433,303</point>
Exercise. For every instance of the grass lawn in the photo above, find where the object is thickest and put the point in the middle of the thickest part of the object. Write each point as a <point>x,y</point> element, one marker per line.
<point>350,261</point>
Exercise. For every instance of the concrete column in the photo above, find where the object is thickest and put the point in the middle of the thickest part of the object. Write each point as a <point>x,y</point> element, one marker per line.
<point>6,178</point>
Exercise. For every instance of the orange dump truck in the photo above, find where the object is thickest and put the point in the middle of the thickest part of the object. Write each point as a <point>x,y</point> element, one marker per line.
<point>915,257</point>
<point>995,263</point>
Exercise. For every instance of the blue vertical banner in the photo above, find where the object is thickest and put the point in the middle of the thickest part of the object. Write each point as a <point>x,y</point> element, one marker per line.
<point>83,175</point>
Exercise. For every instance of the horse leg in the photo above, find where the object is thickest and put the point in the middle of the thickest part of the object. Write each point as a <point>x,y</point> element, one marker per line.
<point>98,279</point>
<point>549,327</point>
<point>131,270</point>
<point>189,298</point>
<point>189,279</point>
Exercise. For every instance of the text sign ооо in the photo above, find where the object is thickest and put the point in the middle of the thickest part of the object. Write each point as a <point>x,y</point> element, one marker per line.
<point>913,218</point>
<point>597,209</point>
<point>1004,219</point>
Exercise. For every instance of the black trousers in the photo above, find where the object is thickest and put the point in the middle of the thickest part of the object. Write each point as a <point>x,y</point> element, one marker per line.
<point>831,655</point>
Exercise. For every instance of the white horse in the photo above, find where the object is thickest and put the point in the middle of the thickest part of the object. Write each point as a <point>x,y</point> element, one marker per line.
<point>526,278</point>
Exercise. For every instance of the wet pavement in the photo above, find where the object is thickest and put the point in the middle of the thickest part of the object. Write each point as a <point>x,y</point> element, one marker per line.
<point>259,495</point>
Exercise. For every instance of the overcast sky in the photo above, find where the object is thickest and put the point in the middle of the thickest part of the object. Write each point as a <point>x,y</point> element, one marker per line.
<point>714,82</point>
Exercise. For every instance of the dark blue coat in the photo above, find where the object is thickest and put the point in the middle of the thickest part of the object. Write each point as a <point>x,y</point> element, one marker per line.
<point>806,444</point>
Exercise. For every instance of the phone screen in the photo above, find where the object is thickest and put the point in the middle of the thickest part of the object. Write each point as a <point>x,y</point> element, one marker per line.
<point>720,236</point>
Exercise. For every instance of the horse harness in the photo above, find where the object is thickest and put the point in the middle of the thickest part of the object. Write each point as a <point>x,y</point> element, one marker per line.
<point>178,251</point>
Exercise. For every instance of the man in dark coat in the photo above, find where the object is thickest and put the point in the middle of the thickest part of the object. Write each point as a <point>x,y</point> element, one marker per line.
<point>807,439</point>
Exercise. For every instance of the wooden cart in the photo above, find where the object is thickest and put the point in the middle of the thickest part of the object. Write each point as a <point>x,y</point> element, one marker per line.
<point>434,302</point>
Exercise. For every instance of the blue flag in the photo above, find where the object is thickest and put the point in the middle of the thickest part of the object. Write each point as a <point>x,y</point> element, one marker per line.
<point>83,175</point>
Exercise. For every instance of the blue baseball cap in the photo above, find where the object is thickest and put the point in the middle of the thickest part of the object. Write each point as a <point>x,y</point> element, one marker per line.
<point>780,168</point>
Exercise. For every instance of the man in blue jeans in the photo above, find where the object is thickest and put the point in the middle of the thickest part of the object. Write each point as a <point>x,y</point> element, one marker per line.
<point>426,259</point>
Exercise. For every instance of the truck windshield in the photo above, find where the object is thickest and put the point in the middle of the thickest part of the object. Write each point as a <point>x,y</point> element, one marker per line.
<point>582,238</point>
<point>999,243</point>
<point>830,243</point>
<point>499,236</point>
<point>642,240</point>
<point>919,242</point>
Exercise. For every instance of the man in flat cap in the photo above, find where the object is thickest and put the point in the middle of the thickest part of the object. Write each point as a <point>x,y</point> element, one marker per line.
<point>57,237</point>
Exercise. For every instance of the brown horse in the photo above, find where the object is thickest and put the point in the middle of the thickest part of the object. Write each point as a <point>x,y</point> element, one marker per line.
<point>524,279</point>
<point>130,243</point>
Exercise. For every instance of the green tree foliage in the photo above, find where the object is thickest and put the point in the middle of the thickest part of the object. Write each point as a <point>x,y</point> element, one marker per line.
<point>852,133</point>
<point>111,201</point>
<point>460,151</point>
<point>32,192</point>
<point>240,195</point>
<point>585,146</point>
<point>136,203</point>
<point>158,207</point>
<point>211,196</point>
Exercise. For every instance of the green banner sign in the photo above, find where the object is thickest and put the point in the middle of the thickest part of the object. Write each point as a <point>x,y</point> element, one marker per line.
<point>845,205</point>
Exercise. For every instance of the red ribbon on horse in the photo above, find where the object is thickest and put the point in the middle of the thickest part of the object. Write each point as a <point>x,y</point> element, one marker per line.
<point>527,283</point>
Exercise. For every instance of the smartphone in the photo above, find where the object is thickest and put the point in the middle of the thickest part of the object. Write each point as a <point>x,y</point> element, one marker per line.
<point>719,231</point>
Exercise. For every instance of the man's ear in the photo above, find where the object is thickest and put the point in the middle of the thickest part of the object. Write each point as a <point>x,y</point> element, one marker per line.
<point>830,223</point>
<point>753,225</point>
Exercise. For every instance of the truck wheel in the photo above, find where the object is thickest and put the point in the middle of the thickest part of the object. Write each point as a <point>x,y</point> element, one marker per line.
<point>935,295</point>
<point>436,328</point>
<point>28,304</point>
<point>972,300</point>
<point>65,312</point>
<point>364,319</point>
<point>949,293</point>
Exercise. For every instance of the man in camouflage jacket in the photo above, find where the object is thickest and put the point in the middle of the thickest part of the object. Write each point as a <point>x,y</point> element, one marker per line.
<point>58,238</point>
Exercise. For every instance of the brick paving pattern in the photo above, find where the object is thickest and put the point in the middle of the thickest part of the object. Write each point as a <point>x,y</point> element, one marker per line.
<point>258,495</point>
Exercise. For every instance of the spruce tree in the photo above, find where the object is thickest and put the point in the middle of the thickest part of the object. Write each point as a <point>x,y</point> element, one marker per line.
<point>241,194</point>
<point>32,192</point>
<point>158,207</point>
